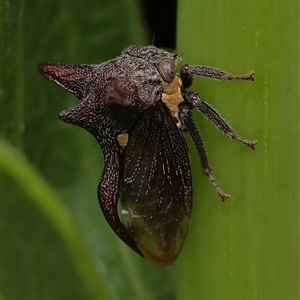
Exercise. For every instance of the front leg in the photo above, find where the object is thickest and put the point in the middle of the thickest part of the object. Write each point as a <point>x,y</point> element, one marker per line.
<point>187,72</point>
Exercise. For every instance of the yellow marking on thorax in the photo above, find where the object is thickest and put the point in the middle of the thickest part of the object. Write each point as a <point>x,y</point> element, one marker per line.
<point>122,139</point>
<point>172,96</point>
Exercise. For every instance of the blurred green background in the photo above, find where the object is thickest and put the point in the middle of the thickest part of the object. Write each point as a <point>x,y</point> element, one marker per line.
<point>55,243</point>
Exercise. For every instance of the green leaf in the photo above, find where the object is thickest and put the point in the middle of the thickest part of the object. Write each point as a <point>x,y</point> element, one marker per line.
<point>247,247</point>
<point>41,242</point>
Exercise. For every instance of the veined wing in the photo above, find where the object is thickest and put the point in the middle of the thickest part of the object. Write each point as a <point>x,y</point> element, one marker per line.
<point>156,186</point>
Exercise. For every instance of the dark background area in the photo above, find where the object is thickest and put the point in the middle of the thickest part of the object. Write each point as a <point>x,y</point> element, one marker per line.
<point>160,20</point>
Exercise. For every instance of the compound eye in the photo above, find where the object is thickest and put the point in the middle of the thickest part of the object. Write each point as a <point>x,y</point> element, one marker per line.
<point>167,70</point>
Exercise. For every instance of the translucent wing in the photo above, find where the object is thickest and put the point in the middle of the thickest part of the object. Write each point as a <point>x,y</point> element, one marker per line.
<point>156,186</point>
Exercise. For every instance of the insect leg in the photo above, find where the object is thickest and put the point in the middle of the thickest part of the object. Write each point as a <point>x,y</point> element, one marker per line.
<point>188,71</point>
<point>108,193</point>
<point>188,122</point>
<point>195,101</point>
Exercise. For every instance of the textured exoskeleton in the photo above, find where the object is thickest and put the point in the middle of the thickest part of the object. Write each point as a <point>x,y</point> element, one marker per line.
<point>136,106</point>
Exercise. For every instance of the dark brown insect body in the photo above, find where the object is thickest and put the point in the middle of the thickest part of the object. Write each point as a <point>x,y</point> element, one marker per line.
<point>136,106</point>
